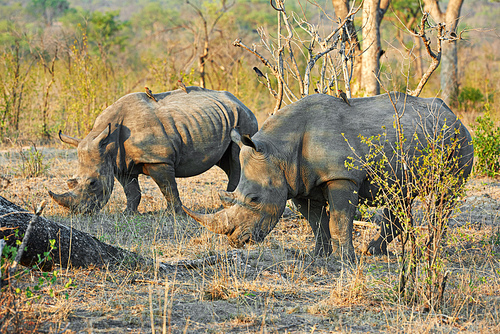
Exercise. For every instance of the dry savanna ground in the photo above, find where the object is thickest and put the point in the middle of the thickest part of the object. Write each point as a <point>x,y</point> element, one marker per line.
<point>272,287</point>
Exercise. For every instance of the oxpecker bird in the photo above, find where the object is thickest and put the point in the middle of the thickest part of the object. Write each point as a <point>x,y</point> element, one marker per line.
<point>182,85</point>
<point>343,96</point>
<point>149,93</point>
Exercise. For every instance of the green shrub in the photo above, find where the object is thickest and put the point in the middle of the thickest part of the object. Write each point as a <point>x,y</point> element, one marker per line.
<point>486,141</point>
<point>435,179</point>
<point>16,298</point>
<point>32,164</point>
<point>470,94</point>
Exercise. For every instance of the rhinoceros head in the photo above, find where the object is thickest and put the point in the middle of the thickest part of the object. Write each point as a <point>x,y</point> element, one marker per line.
<point>256,205</point>
<point>91,189</point>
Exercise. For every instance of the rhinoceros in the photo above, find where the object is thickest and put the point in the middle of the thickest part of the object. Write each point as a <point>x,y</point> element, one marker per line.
<point>178,135</point>
<point>302,153</point>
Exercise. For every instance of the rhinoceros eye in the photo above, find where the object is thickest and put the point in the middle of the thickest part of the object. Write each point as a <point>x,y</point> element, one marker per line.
<point>93,183</point>
<point>254,198</point>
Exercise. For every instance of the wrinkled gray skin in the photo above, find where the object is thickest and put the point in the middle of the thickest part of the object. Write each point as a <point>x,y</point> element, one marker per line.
<point>181,135</point>
<point>300,154</point>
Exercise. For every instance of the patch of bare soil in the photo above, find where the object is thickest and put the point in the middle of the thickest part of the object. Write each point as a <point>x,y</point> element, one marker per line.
<point>272,287</point>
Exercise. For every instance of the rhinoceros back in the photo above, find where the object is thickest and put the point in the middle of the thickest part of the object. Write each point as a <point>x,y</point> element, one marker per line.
<point>320,133</point>
<point>189,131</point>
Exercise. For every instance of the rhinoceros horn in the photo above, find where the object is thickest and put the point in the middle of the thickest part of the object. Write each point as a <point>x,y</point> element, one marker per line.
<point>69,140</point>
<point>216,222</point>
<point>67,199</point>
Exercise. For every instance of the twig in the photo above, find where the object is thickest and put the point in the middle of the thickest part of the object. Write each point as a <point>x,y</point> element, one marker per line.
<point>275,8</point>
<point>147,281</point>
<point>13,213</point>
<point>237,42</point>
<point>64,329</point>
<point>351,13</point>
<point>277,95</point>
<point>290,50</point>
<point>2,245</point>
<point>442,286</point>
<point>151,314</point>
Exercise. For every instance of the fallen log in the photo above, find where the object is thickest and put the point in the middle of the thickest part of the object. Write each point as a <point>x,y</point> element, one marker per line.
<point>69,248</point>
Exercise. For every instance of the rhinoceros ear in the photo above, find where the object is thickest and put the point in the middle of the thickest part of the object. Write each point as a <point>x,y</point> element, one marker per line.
<point>247,141</point>
<point>244,140</point>
<point>236,137</point>
<point>103,135</point>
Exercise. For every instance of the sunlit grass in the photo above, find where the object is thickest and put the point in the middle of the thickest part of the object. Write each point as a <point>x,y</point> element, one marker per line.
<point>266,286</point>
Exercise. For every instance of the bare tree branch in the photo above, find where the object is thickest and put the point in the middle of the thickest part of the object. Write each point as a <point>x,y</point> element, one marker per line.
<point>436,57</point>
<point>290,50</point>
<point>237,42</point>
<point>26,237</point>
<point>280,77</point>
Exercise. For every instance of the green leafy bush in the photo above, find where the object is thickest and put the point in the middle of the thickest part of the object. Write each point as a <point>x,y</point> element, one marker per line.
<point>32,164</point>
<point>436,180</point>
<point>16,297</point>
<point>470,94</point>
<point>486,141</point>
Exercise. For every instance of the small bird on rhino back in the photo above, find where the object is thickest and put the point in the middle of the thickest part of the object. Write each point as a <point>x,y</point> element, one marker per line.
<point>343,96</point>
<point>182,85</point>
<point>149,93</point>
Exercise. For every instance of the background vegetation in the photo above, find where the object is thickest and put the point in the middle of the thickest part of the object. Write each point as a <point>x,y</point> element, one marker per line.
<point>62,62</point>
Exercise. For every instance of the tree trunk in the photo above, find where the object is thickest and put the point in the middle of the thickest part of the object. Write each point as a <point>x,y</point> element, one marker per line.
<point>419,67</point>
<point>449,72</point>
<point>449,59</point>
<point>341,8</point>
<point>73,248</point>
<point>373,13</point>
<point>371,47</point>
<point>204,57</point>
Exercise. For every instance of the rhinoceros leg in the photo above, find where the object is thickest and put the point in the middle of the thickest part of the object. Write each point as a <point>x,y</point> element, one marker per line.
<point>343,199</point>
<point>316,215</point>
<point>132,191</point>
<point>230,164</point>
<point>390,228</point>
<point>164,176</point>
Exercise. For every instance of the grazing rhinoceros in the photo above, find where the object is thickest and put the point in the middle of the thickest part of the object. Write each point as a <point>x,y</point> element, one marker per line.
<point>300,153</point>
<point>181,135</point>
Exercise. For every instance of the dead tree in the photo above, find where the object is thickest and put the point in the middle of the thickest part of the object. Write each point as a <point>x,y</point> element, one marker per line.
<point>280,56</point>
<point>450,18</point>
<point>202,60</point>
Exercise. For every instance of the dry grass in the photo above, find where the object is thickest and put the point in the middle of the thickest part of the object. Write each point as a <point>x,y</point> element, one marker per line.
<point>272,287</point>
